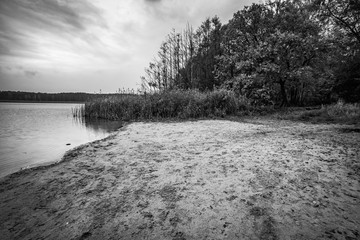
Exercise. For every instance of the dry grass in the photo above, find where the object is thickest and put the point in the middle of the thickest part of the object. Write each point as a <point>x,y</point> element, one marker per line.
<point>336,113</point>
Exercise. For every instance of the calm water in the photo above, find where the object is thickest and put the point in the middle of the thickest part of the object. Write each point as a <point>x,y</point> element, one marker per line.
<point>37,133</point>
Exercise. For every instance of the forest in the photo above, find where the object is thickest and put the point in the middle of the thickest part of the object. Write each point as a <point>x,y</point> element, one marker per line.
<point>282,52</point>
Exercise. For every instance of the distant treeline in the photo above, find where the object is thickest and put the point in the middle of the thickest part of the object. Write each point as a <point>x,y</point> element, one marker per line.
<point>49,97</point>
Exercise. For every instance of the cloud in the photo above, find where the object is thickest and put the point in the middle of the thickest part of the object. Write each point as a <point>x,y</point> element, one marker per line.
<point>30,73</point>
<point>53,13</point>
<point>167,10</point>
<point>23,22</point>
<point>194,12</point>
<point>18,70</point>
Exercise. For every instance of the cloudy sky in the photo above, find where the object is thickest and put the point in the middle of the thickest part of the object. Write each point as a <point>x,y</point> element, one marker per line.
<point>88,45</point>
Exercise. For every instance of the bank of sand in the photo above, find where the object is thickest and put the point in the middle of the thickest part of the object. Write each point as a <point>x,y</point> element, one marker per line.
<point>206,179</point>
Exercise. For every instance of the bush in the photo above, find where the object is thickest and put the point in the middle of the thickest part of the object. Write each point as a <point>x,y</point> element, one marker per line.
<point>253,88</point>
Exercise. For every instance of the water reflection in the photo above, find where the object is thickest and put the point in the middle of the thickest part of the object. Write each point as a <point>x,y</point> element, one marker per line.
<point>99,126</point>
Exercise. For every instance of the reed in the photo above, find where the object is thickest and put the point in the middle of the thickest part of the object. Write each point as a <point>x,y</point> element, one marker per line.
<point>170,104</point>
<point>78,112</point>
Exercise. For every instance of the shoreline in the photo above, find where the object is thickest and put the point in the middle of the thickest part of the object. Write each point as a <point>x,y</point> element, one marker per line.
<point>67,156</point>
<point>219,179</point>
<point>63,158</point>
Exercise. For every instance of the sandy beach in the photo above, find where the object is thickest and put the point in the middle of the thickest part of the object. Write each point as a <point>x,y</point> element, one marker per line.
<point>207,179</point>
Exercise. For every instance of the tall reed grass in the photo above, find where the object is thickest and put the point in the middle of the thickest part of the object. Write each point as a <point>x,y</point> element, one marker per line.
<point>171,104</point>
<point>78,112</point>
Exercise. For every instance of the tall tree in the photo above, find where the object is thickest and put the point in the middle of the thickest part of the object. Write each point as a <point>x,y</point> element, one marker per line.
<point>266,42</point>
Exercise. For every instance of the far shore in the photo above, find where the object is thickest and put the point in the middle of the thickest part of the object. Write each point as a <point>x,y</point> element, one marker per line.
<point>25,101</point>
<point>205,179</point>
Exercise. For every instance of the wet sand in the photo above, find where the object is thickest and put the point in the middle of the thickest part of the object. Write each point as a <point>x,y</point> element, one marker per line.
<point>208,179</point>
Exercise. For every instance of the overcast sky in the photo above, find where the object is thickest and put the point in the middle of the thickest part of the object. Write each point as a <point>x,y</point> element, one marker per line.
<point>80,45</point>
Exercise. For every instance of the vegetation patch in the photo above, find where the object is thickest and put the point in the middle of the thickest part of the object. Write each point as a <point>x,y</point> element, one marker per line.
<point>335,113</point>
<point>182,104</point>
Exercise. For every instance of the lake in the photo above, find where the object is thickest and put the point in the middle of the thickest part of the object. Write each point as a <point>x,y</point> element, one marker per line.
<point>34,134</point>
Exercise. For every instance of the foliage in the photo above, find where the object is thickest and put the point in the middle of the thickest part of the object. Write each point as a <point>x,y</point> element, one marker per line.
<point>344,14</point>
<point>253,88</point>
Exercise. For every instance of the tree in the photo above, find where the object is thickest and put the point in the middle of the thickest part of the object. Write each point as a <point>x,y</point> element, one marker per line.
<point>204,48</point>
<point>267,42</point>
